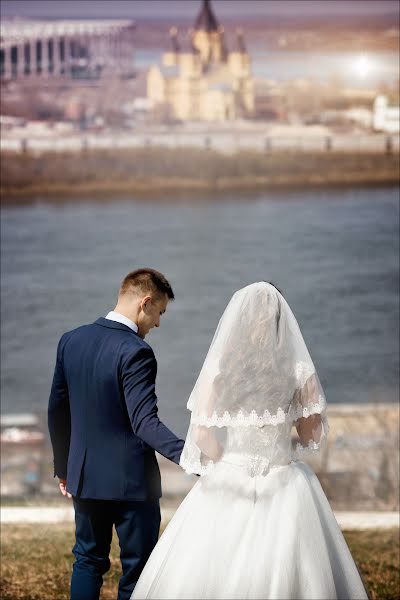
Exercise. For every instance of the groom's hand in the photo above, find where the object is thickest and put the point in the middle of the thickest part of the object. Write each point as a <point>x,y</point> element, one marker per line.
<point>63,488</point>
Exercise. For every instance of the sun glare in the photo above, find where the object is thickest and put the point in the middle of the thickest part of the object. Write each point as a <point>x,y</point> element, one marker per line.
<point>362,66</point>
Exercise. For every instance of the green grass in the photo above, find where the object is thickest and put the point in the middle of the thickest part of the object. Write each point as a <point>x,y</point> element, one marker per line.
<point>36,562</point>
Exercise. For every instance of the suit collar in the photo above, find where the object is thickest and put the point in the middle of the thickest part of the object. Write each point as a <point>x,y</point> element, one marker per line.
<point>120,318</point>
<point>114,325</point>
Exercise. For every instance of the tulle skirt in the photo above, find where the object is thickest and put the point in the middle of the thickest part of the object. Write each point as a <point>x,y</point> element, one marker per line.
<point>241,537</point>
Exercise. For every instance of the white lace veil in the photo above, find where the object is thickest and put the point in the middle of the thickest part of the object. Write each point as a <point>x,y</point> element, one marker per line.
<point>258,372</point>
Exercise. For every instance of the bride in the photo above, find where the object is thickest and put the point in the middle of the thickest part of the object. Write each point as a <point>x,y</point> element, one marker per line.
<point>257,524</point>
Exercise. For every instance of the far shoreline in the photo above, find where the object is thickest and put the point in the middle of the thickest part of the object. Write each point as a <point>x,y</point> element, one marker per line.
<point>58,194</point>
<point>153,173</point>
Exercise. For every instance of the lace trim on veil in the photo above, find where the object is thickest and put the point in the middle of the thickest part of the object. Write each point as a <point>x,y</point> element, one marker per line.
<point>306,411</point>
<point>302,371</point>
<point>242,418</point>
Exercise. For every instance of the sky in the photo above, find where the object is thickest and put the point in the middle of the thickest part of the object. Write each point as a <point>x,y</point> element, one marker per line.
<point>147,9</point>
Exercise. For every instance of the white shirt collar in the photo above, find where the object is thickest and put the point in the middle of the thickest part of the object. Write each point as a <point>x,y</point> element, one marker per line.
<point>116,316</point>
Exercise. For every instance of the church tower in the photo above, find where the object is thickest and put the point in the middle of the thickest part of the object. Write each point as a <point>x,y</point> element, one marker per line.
<point>199,80</point>
<point>208,36</point>
<point>171,57</point>
<point>239,59</point>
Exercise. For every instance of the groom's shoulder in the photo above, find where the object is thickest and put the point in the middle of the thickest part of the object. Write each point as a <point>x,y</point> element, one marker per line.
<point>81,329</point>
<point>127,343</point>
<point>137,344</point>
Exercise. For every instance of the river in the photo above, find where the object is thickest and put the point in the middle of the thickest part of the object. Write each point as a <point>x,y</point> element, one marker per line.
<point>334,253</point>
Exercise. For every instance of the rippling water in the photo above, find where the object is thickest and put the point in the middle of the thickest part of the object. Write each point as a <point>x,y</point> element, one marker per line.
<point>333,253</point>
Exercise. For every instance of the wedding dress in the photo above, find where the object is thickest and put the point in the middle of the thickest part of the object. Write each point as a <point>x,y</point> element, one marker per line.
<point>257,524</point>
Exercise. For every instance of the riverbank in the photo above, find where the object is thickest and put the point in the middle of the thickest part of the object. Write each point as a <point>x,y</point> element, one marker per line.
<point>157,171</point>
<point>358,469</point>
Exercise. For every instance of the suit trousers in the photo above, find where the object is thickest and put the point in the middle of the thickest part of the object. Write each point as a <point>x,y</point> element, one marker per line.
<point>137,524</point>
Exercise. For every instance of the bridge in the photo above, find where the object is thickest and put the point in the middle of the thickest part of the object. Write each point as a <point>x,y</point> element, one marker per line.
<point>72,49</point>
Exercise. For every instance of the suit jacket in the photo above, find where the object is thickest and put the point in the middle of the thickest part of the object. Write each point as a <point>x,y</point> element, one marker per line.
<point>102,415</point>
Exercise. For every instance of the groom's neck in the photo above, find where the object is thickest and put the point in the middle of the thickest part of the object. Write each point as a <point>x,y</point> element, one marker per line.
<point>129,312</point>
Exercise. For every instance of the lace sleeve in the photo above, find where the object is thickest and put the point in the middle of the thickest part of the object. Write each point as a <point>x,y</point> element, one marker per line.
<point>309,414</point>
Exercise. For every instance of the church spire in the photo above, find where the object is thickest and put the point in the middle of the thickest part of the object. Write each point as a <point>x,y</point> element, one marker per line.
<point>240,40</point>
<point>206,20</point>
<point>173,34</point>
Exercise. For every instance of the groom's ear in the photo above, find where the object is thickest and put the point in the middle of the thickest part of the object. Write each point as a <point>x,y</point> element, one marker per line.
<point>144,302</point>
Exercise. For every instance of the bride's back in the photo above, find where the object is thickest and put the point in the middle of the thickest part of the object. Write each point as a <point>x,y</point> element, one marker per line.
<point>257,380</point>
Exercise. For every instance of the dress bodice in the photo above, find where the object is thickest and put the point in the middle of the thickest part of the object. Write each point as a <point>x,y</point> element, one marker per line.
<point>258,448</point>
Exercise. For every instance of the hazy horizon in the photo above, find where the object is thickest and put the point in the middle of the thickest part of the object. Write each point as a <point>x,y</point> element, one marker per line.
<point>177,9</point>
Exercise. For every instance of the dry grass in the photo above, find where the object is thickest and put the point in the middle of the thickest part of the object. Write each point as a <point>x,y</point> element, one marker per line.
<point>37,562</point>
<point>157,170</point>
<point>376,554</point>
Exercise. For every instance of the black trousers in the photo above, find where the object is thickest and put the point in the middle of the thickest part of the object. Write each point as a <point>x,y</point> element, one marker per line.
<point>137,524</point>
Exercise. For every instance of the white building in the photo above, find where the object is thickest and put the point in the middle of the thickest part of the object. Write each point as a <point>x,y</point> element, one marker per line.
<point>386,118</point>
<point>360,116</point>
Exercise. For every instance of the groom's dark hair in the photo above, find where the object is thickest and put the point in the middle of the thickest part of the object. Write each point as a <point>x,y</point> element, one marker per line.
<point>147,281</point>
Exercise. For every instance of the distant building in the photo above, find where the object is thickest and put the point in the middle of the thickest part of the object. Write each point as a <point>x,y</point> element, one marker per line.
<point>78,49</point>
<point>200,79</point>
<point>385,117</point>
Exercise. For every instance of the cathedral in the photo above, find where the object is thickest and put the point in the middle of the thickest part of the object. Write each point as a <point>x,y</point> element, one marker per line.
<point>200,79</point>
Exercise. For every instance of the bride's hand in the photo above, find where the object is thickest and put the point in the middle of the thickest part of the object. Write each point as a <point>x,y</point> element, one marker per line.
<point>207,442</point>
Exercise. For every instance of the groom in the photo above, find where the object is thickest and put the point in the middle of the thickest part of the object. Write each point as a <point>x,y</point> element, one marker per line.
<point>104,428</point>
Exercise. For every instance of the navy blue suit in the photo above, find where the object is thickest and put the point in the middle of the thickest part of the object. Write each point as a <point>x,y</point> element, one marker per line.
<point>104,428</point>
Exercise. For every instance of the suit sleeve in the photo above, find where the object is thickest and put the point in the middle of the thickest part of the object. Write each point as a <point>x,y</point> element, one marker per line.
<point>59,417</point>
<point>138,378</point>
